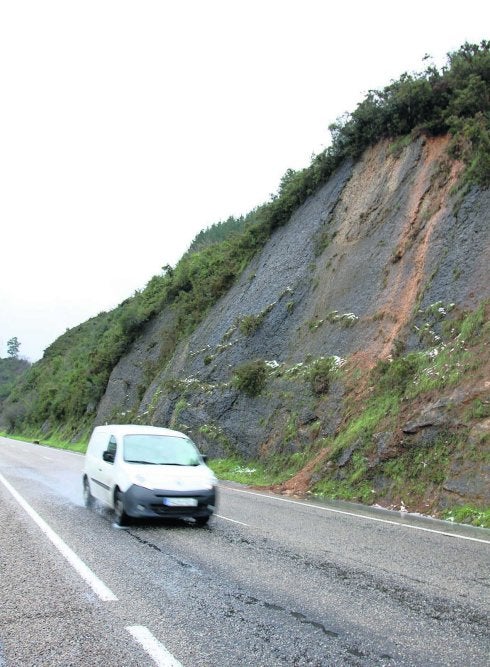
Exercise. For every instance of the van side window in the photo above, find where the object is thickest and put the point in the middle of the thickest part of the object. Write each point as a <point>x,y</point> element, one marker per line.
<point>112,447</point>
<point>111,450</point>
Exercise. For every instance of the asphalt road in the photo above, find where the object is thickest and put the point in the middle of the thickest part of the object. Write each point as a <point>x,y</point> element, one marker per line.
<point>270,581</point>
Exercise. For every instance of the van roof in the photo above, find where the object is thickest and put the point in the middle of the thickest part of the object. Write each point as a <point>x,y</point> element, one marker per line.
<point>128,429</point>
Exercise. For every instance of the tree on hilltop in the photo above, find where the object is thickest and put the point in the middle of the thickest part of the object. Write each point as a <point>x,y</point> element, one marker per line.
<point>13,346</point>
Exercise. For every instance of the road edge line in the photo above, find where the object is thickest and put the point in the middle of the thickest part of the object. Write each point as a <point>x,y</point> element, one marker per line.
<point>98,586</point>
<point>360,516</point>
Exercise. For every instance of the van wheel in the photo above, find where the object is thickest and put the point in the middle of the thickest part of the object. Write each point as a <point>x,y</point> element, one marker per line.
<point>88,499</point>
<point>121,516</point>
<point>201,520</point>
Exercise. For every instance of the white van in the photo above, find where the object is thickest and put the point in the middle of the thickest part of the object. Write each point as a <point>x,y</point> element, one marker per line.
<point>146,471</point>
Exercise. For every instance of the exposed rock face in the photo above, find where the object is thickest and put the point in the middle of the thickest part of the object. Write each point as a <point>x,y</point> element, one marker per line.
<point>353,271</point>
<point>130,377</point>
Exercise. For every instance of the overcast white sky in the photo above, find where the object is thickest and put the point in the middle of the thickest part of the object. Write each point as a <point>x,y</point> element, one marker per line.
<point>127,127</point>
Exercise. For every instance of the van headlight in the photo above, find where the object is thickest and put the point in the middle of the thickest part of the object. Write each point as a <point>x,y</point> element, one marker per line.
<point>210,485</point>
<point>140,480</point>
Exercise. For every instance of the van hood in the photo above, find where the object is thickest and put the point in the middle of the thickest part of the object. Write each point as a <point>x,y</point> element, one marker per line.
<point>171,478</point>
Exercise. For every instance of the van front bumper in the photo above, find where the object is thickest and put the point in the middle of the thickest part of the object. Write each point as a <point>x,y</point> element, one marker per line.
<point>141,502</point>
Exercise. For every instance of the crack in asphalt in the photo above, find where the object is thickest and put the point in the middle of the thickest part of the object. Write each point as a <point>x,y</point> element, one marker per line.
<point>249,599</point>
<point>438,608</point>
<point>151,545</point>
<point>303,619</point>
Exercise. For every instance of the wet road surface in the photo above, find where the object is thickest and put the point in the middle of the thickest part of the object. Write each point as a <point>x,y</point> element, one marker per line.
<point>270,581</point>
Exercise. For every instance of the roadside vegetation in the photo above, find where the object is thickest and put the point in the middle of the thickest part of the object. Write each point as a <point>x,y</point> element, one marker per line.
<point>468,514</point>
<point>235,469</point>
<point>11,369</point>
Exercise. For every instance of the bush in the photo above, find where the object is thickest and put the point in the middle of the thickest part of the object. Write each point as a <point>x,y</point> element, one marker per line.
<point>250,377</point>
<point>455,100</point>
<point>396,375</point>
<point>249,324</point>
<point>13,416</point>
<point>320,375</point>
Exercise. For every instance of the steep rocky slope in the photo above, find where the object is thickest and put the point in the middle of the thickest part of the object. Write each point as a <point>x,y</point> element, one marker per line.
<point>370,266</point>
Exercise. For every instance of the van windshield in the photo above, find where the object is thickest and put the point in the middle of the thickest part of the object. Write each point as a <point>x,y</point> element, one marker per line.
<point>160,450</point>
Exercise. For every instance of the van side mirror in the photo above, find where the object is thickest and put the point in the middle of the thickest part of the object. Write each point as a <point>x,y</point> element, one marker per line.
<point>108,456</point>
<point>204,457</point>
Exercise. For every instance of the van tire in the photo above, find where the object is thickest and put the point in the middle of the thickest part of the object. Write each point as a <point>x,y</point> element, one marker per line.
<point>121,516</point>
<point>88,499</point>
<point>201,520</point>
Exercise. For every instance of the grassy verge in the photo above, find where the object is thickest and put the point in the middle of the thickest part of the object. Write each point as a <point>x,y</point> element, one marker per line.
<point>468,514</point>
<point>254,473</point>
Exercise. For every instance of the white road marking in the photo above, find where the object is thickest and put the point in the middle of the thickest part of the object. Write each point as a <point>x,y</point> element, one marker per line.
<point>232,520</point>
<point>155,649</point>
<point>99,588</point>
<point>360,516</point>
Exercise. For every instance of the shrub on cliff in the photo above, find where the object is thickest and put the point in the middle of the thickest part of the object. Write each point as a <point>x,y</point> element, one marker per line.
<point>320,374</point>
<point>250,377</point>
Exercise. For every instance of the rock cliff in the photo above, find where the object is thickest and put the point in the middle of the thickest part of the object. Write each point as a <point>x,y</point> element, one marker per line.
<point>366,269</point>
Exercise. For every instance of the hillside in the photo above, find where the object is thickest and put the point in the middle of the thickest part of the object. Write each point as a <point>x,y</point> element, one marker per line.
<point>338,335</point>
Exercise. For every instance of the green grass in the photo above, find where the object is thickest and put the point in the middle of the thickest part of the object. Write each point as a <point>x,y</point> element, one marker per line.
<point>416,470</point>
<point>468,514</point>
<point>442,365</point>
<point>12,436</point>
<point>362,426</point>
<point>62,444</point>
<point>245,472</point>
<point>478,409</point>
<point>250,377</point>
<point>273,470</point>
<point>345,490</point>
<point>399,144</point>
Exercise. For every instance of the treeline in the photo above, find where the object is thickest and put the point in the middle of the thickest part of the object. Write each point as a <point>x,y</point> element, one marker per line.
<point>217,233</point>
<point>66,385</point>
<point>455,100</point>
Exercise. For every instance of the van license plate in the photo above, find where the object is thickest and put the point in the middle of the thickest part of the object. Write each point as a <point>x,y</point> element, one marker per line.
<point>180,502</point>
